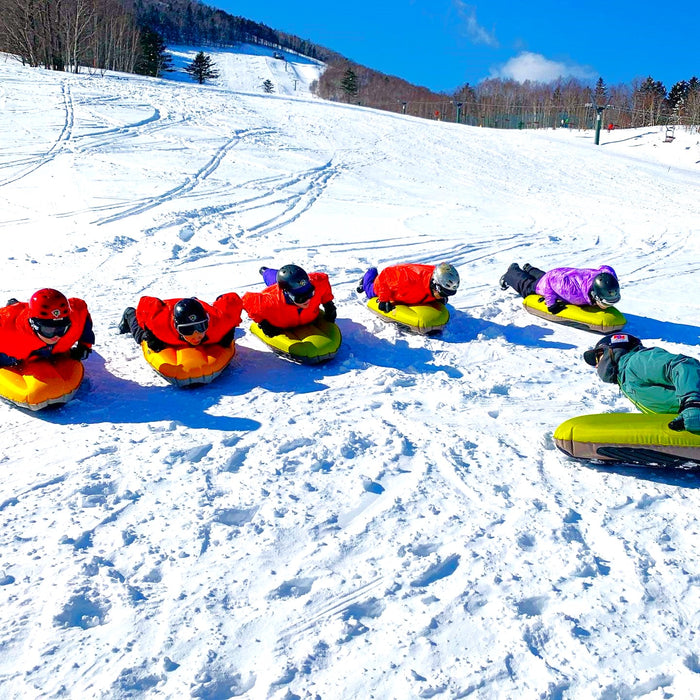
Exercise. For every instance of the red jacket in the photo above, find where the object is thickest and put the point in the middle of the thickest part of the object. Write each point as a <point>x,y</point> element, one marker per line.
<point>17,339</point>
<point>157,315</point>
<point>405,284</point>
<point>270,304</point>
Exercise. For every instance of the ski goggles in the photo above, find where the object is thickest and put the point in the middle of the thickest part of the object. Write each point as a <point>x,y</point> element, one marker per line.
<point>608,300</point>
<point>300,296</point>
<point>187,329</point>
<point>50,328</point>
<point>444,291</point>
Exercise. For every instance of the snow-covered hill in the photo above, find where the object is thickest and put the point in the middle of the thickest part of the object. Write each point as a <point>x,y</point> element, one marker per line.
<point>246,68</point>
<point>394,524</point>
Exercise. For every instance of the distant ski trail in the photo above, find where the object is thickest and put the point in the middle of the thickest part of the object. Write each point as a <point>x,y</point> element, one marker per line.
<point>187,186</point>
<point>63,137</point>
<point>98,140</point>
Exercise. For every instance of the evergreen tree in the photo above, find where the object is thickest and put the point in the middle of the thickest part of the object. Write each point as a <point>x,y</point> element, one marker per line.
<point>268,86</point>
<point>349,83</point>
<point>202,68</point>
<point>654,88</point>
<point>649,98</point>
<point>678,94</point>
<point>601,93</point>
<point>152,58</point>
<point>466,94</point>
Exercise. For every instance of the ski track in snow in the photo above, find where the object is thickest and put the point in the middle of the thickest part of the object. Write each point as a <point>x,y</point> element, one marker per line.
<point>62,139</point>
<point>396,523</point>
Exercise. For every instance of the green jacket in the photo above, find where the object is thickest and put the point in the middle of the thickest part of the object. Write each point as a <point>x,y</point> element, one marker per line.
<point>656,381</point>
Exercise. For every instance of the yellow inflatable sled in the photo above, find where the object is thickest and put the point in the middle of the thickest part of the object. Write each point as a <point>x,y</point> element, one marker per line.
<point>309,345</point>
<point>422,318</point>
<point>40,383</point>
<point>633,438</point>
<point>196,364</point>
<point>587,318</point>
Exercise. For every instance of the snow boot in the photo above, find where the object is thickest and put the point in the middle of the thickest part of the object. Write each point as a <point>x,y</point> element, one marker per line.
<point>127,317</point>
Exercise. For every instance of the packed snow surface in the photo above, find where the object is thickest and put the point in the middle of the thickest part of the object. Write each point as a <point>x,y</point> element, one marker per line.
<point>396,523</point>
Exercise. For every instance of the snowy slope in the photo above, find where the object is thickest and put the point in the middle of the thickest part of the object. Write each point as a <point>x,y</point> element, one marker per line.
<point>246,68</point>
<point>394,524</point>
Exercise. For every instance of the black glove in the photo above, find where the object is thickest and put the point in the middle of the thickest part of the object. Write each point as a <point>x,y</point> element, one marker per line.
<point>268,329</point>
<point>12,301</point>
<point>385,306</point>
<point>154,344</point>
<point>330,313</point>
<point>8,360</point>
<point>226,341</point>
<point>688,419</point>
<point>80,352</point>
<point>556,307</point>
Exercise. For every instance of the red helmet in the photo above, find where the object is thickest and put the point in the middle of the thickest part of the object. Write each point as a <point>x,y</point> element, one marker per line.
<point>49,304</point>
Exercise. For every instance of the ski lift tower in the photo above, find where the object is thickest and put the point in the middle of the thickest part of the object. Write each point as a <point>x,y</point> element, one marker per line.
<point>599,118</point>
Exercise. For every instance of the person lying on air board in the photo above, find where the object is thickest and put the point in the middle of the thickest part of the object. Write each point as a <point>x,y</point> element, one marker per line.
<point>47,326</point>
<point>292,298</point>
<point>178,323</point>
<point>654,380</point>
<point>410,284</point>
<point>565,285</point>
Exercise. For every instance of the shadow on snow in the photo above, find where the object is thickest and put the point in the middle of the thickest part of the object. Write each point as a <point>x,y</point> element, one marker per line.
<point>106,398</point>
<point>462,328</point>
<point>664,330</point>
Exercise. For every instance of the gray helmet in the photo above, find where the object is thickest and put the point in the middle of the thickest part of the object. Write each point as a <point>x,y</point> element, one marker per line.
<point>445,280</point>
<point>605,290</point>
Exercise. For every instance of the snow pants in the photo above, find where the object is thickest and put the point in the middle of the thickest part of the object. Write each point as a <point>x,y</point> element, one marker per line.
<point>129,324</point>
<point>522,281</point>
<point>269,276</point>
<point>367,282</point>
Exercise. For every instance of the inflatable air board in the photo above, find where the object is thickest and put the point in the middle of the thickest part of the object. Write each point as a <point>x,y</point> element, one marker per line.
<point>194,364</point>
<point>309,345</point>
<point>587,318</point>
<point>633,438</point>
<point>40,383</point>
<point>422,318</point>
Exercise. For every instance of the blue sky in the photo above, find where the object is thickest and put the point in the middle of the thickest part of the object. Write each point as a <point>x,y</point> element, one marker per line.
<point>442,44</point>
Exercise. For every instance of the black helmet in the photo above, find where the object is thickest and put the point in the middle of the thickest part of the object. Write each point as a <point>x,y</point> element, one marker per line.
<point>295,283</point>
<point>616,341</point>
<point>605,290</point>
<point>190,317</point>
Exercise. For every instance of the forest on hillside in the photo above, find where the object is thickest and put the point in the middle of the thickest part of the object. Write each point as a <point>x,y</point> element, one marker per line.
<point>507,104</point>
<point>132,36</point>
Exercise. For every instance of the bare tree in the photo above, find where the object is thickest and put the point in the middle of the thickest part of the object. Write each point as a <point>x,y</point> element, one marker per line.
<point>68,34</point>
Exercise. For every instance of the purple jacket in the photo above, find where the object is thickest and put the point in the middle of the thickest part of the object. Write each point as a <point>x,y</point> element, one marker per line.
<point>570,284</point>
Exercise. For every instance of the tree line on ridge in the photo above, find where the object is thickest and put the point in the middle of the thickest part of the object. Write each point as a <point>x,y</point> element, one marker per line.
<point>132,36</point>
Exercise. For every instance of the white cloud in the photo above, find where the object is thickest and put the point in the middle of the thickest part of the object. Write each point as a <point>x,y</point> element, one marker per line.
<point>476,33</point>
<point>534,66</point>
